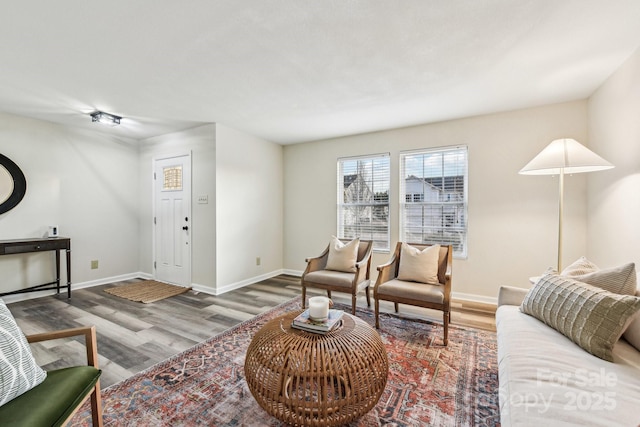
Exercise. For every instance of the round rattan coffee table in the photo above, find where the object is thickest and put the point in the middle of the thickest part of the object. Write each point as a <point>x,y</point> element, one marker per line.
<point>309,379</point>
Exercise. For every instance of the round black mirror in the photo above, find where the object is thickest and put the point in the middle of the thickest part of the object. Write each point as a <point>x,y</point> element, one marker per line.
<point>13,184</point>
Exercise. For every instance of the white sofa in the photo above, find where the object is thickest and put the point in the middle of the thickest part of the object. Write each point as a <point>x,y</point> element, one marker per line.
<point>547,380</point>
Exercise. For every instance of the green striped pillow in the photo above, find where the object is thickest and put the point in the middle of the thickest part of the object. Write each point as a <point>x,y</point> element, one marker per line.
<point>589,316</point>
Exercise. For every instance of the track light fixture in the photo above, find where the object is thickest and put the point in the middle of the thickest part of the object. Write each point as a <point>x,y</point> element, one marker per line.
<point>105,118</point>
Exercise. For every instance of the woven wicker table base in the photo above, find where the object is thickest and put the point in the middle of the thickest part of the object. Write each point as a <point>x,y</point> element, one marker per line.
<point>308,379</point>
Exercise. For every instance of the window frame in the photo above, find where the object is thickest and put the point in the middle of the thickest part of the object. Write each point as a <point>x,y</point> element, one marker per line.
<point>374,203</point>
<point>460,207</point>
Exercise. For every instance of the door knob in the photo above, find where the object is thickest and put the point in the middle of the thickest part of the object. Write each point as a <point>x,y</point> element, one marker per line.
<point>186,227</point>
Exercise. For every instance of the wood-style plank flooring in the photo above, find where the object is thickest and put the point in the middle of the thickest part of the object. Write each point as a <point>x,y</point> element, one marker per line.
<point>134,336</point>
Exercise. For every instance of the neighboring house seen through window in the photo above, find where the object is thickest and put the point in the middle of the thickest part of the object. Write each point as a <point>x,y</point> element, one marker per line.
<point>363,199</point>
<point>433,197</point>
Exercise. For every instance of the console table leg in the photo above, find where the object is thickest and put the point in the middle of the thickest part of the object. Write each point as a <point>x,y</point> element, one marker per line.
<point>57,272</point>
<point>68,273</point>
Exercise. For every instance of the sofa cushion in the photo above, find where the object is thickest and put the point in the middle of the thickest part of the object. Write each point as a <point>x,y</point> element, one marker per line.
<point>632,334</point>
<point>18,369</point>
<point>53,401</point>
<point>419,265</point>
<point>546,380</point>
<point>591,317</point>
<point>343,257</point>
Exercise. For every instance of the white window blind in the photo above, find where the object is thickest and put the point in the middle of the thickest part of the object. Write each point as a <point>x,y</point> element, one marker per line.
<point>363,199</point>
<point>433,197</point>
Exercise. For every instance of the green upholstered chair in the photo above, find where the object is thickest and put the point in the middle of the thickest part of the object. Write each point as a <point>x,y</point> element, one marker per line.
<point>62,393</point>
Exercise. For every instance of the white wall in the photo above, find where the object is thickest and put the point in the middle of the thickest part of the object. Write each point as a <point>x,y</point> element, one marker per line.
<point>249,201</point>
<point>98,189</point>
<point>614,195</point>
<point>512,218</point>
<point>82,181</point>
<point>201,142</point>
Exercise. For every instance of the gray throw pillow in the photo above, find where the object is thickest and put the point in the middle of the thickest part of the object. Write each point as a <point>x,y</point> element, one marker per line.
<point>619,280</point>
<point>19,372</point>
<point>589,316</point>
<point>579,267</point>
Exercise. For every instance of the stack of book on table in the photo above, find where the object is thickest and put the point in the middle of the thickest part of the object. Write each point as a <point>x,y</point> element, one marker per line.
<point>305,323</point>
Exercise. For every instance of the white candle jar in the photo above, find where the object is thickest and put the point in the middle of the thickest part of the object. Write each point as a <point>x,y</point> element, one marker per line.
<point>318,308</point>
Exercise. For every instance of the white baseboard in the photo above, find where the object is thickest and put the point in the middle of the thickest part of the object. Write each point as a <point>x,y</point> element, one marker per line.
<point>474,298</point>
<point>457,295</point>
<point>297,273</point>
<point>75,286</point>
<point>203,288</point>
<point>237,285</point>
<point>207,289</point>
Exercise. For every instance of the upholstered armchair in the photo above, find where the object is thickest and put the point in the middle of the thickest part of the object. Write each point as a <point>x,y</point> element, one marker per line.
<point>409,288</point>
<point>317,275</point>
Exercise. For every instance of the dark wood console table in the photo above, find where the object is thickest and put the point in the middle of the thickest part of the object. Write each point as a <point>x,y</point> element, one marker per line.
<point>57,244</point>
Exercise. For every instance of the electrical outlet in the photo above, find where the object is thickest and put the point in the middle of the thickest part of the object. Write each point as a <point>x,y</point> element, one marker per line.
<point>94,264</point>
<point>257,260</point>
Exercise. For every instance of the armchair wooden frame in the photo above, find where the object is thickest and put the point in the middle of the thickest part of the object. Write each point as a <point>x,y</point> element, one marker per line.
<point>360,280</point>
<point>389,271</point>
<point>91,345</point>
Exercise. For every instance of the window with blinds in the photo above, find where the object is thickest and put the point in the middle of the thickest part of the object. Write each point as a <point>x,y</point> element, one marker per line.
<point>363,199</point>
<point>433,197</point>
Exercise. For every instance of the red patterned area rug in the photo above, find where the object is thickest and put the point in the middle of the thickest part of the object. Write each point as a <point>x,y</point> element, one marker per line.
<point>428,384</point>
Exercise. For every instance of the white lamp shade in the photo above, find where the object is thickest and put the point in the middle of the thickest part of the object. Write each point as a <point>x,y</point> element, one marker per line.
<point>567,156</point>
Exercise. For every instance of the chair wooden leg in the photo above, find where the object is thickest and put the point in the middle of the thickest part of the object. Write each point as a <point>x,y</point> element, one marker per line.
<point>446,317</point>
<point>366,290</point>
<point>395,305</point>
<point>304,297</point>
<point>329,294</point>
<point>96,406</point>
<point>376,304</point>
<point>353,304</point>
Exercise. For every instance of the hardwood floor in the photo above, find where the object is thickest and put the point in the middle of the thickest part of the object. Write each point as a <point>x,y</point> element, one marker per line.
<point>134,336</point>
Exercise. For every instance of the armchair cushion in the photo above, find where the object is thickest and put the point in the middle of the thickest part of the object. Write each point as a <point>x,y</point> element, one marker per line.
<point>55,398</point>
<point>19,372</point>
<point>343,257</point>
<point>412,290</point>
<point>331,278</point>
<point>419,265</point>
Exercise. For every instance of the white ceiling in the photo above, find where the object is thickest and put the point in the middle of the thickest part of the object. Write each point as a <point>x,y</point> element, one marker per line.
<point>299,70</point>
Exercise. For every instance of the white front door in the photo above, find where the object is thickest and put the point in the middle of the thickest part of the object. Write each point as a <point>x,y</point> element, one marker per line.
<point>172,219</point>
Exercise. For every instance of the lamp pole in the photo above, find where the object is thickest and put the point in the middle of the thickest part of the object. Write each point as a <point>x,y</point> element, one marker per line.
<point>560,216</point>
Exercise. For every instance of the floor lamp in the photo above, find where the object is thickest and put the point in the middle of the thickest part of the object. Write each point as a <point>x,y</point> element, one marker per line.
<point>561,157</point>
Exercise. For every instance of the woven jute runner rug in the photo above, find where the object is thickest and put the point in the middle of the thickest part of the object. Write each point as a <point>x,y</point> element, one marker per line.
<point>147,291</point>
